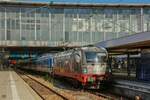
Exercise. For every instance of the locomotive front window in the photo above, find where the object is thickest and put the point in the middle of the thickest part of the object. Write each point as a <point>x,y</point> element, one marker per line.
<point>95,57</point>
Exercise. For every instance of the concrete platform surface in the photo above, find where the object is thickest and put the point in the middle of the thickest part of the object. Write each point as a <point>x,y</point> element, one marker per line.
<point>12,87</point>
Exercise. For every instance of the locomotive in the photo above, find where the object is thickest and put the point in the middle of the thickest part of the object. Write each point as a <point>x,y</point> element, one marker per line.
<point>86,66</point>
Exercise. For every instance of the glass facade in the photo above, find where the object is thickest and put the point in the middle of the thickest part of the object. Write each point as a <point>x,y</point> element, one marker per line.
<point>80,25</point>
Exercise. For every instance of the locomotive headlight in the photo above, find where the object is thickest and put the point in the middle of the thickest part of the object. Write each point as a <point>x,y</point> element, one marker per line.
<point>84,70</point>
<point>109,70</point>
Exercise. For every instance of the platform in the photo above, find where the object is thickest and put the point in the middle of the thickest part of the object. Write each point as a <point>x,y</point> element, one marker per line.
<point>12,87</point>
<point>131,89</point>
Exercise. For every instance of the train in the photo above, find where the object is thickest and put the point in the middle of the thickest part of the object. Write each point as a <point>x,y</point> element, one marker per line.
<point>42,63</point>
<point>84,66</point>
<point>87,66</point>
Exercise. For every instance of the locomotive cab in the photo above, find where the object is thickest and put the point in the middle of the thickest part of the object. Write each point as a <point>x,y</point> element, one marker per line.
<point>94,68</point>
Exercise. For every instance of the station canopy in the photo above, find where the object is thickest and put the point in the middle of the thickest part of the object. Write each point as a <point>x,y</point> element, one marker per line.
<point>130,43</point>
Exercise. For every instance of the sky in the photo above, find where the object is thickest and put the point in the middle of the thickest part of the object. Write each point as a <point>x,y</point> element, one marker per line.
<point>95,1</point>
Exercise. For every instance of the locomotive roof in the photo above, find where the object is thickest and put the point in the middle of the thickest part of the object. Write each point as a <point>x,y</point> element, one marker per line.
<point>91,48</point>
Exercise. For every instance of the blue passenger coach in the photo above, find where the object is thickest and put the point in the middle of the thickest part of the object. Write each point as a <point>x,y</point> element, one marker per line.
<point>44,63</point>
<point>41,63</point>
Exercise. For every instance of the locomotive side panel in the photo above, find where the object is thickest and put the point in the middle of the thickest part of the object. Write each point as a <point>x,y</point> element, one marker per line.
<point>65,64</point>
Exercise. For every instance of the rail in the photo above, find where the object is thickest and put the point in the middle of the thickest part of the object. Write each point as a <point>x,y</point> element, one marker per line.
<point>29,80</point>
<point>105,95</point>
<point>75,94</point>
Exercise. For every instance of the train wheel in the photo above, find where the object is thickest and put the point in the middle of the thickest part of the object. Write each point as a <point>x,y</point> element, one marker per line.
<point>76,84</point>
<point>82,87</point>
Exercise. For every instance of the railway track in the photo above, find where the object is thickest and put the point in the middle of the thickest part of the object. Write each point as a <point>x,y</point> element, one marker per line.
<point>43,91</point>
<point>62,93</point>
<point>105,96</point>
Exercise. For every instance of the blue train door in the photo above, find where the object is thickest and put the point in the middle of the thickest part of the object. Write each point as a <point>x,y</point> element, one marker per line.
<point>50,64</point>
